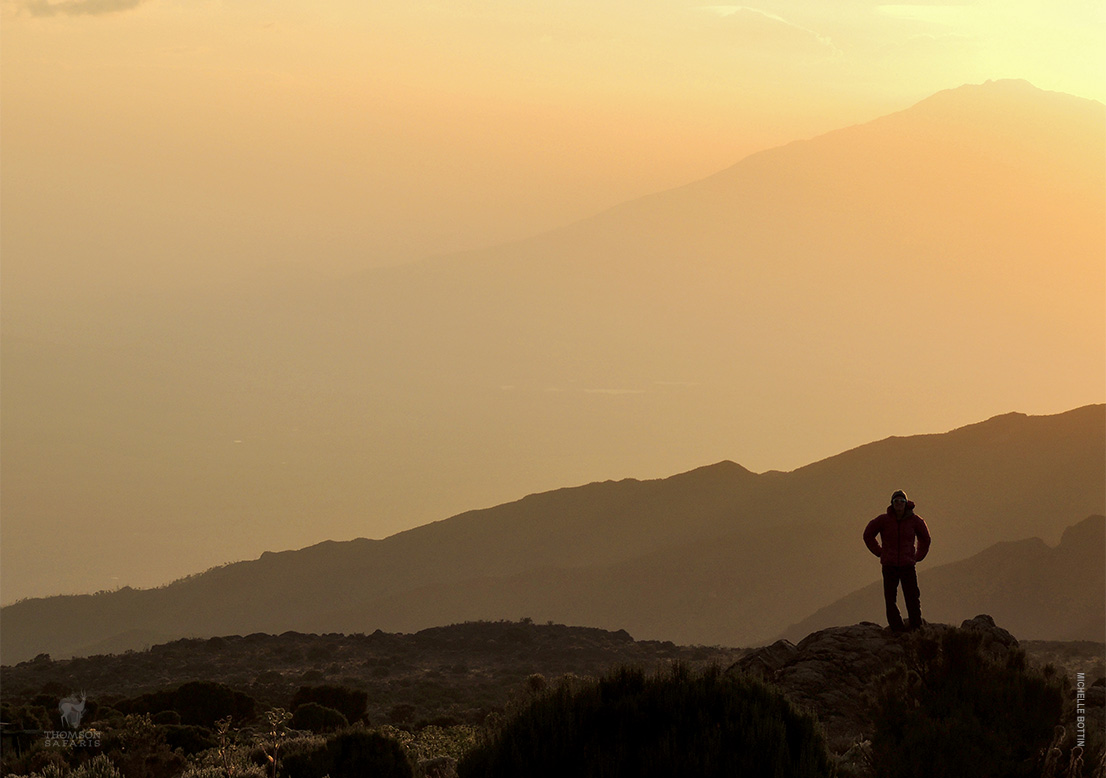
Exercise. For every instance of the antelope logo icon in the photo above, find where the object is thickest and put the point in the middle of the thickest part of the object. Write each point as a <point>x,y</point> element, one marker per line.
<point>71,709</point>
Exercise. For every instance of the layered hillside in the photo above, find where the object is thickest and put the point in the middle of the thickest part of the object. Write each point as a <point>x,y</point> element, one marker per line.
<point>718,555</point>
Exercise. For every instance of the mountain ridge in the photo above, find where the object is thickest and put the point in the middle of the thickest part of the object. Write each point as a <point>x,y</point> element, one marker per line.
<point>963,99</point>
<point>711,555</point>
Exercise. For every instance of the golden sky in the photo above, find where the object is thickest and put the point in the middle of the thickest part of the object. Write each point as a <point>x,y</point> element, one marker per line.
<point>151,148</point>
<point>219,136</point>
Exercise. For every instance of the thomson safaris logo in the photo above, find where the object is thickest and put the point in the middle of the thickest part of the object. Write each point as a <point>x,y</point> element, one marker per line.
<point>72,710</point>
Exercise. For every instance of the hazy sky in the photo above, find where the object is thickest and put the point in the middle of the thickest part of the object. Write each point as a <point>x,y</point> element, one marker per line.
<point>168,145</point>
<point>172,139</point>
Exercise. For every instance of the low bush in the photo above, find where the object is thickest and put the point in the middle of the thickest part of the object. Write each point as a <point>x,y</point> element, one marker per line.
<point>351,754</point>
<point>670,724</point>
<point>314,717</point>
<point>349,702</point>
<point>954,709</point>
<point>200,703</point>
<point>189,739</point>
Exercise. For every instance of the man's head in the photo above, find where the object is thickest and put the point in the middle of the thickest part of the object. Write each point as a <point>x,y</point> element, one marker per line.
<point>898,501</point>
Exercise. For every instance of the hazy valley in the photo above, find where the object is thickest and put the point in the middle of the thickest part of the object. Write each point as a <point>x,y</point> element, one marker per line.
<point>806,300</point>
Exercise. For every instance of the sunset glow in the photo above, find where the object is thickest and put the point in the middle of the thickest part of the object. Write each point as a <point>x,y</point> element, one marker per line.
<point>390,131</point>
<point>196,195</point>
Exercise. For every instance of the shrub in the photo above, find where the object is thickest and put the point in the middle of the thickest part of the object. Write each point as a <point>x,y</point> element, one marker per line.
<point>318,718</point>
<point>403,713</point>
<point>51,770</point>
<point>36,761</point>
<point>26,716</point>
<point>260,754</point>
<point>953,707</point>
<point>200,703</point>
<point>224,762</point>
<point>203,703</point>
<point>349,702</point>
<point>189,739</point>
<point>676,723</point>
<point>351,754</point>
<point>98,766</point>
<point>139,750</point>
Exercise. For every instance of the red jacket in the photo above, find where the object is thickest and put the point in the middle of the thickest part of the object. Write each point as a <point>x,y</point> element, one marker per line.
<point>898,537</point>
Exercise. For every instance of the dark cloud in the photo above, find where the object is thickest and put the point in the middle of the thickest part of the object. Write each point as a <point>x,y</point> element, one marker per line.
<point>79,7</point>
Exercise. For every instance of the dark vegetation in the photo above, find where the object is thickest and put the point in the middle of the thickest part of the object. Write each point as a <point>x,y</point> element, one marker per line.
<point>307,706</point>
<point>952,703</point>
<point>446,675</point>
<point>350,704</point>
<point>630,725</point>
<point>1069,656</point>
<point>313,717</point>
<point>352,754</point>
<point>197,703</point>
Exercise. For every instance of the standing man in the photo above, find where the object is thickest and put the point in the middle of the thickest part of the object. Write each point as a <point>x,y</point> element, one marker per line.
<point>905,541</point>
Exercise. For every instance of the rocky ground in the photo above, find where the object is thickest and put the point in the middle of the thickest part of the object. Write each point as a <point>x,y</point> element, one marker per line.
<point>833,673</point>
<point>461,673</point>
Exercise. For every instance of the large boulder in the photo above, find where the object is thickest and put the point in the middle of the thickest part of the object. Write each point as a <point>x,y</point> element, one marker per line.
<point>996,640</point>
<point>764,662</point>
<point>833,672</point>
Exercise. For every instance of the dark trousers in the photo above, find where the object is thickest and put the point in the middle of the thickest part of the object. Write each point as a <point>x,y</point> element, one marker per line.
<point>892,575</point>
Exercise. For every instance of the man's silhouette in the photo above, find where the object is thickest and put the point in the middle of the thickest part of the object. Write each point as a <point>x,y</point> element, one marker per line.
<point>903,541</point>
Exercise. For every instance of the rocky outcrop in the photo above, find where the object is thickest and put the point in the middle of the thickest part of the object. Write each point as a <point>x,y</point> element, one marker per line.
<point>833,672</point>
<point>764,662</point>
<point>996,640</point>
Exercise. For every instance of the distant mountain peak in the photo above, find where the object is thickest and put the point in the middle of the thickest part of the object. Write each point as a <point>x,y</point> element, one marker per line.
<point>1087,413</point>
<point>725,468</point>
<point>994,99</point>
<point>1088,533</point>
<point>989,91</point>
